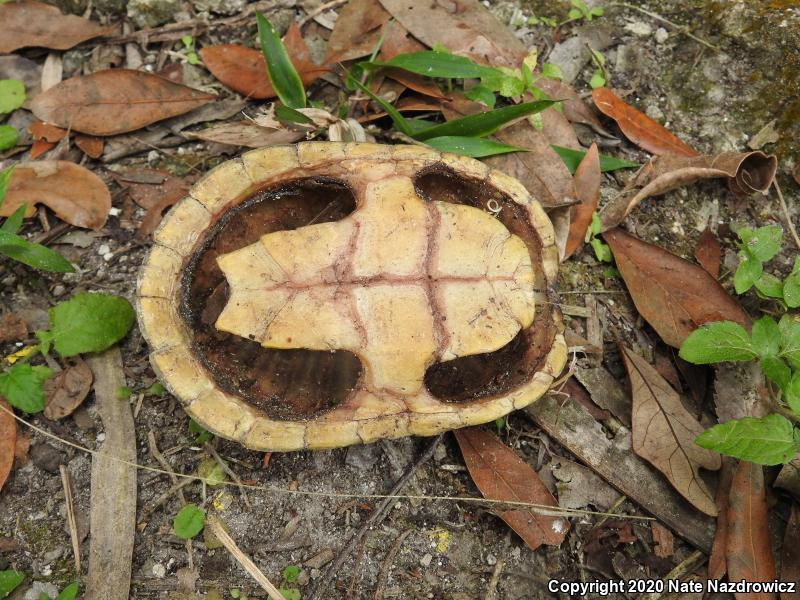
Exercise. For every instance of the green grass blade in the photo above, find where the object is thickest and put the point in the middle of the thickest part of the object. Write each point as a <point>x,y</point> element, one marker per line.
<point>482,124</point>
<point>5,177</point>
<point>33,255</point>
<point>572,158</point>
<point>470,146</point>
<point>14,222</point>
<point>399,120</point>
<point>284,114</point>
<point>436,64</point>
<point>281,71</point>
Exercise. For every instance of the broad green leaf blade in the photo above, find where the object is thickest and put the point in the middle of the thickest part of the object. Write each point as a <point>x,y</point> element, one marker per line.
<point>481,93</point>
<point>769,285</point>
<point>776,370</point>
<point>470,146</point>
<point>399,120</point>
<point>88,323</point>
<point>290,115</point>
<point>790,340</point>
<point>14,222</point>
<point>791,286</point>
<point>284,77</point>
<point>12,95</point>
<point>8,137</point>
<point>482,124</point>
<point>9,581</point>
<point>572,158</point>
<point>717,342</point>
<point>189,521</point>
<point>69,592</point>
<point>5,176</point>
<point>33,255</point>
<point>747,273</point>
<point>766,337</point>
<point>763,243</point>
<point>436,64</point>
<point>768,440</point>
<point>22,385</point>
<point>793,394</point>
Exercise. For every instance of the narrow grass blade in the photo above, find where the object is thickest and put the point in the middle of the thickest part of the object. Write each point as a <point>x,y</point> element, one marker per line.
<point>572,158</point>
<point>33,255</point>
<point>282,74</point>
<point>470,146</point>
<point>436,64</point>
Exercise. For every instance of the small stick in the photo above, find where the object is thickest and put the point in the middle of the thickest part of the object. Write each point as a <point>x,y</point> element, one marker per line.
<point>785,210</point>
<point>224,466</point>
<point>321,9</point>
<point>147,510</point>
<point>356,564</point>
<point>386,566</point>
<point>73,525</point>
<point>219,531</point>
<point>375,517</point>
<point>680,572</point>
<point>491,591</point>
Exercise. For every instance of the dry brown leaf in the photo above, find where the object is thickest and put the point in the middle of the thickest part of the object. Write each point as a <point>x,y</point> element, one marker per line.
<point>8,441</point>
<point>74,193</point>
<point>746,172</point>
<point>115,101</point>
<point>574,108</point>
<point>465,27</point>
<point>357,30</point>
<point>790,556</point>
<point>708,252</point>
<point>502,475</point>
<point>396,40</point>
<point>577,392</point>
<point>39,147</point>
<point>673,295</point>
<point>587,190</point>
<point>664,432</point>
<point>796,173</point>
<point>717,562</point>
<point>46,132</point>
<point>66,390</point>
<point>12,328</point>
<point>557,129</point>
<point>749,550</point>
<point>27,24</point>
<point>152,185</point>
<point>92,146</point>
<point>246,133</point>
<point>663,540</point>
<point>638,127</point>
<point>415,82</point>
<point>159,199</point>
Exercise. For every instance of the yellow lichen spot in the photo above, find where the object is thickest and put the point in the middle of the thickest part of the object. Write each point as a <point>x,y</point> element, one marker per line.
<point>222,500</point>
<point>440,538</point>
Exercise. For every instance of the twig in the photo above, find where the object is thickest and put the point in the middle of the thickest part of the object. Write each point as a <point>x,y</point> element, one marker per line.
<point>657,17</point>
<point>147,510</point>
<point>219,531</point>
<point>681,570</point>
<point>321,9</point>
<point>386,565</point>
<point>73,525</point>
<point>374,518</point>
<point>785,210</point>
<point>491,590</point>
<point>357,563</point>
<point>224,466</point>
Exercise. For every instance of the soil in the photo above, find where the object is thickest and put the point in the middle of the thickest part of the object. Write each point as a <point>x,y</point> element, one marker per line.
<point>714,99</point>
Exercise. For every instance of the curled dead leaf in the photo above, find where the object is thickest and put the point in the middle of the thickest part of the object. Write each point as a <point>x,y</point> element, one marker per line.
<point>672,294</point>
<point>663,433</point>
<point>717,562</point>
<point>8,441</point>
<point>502,475</point>
<point>66,390</point>
<point>587,190</point>
<point>115,101</point>
<point>74,193</point>
<point>27,24</point>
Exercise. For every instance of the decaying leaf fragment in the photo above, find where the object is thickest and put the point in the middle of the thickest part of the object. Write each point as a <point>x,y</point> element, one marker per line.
<point>502,475</point>
<point>672,294</point>
<point>708,252</point>
<point>8,441</point>
<point>587,189</point>
<point>746,172</point>
<point>74,193</point>
<point>664,431</point>
<point>357,30</point>
<point>66,390</point>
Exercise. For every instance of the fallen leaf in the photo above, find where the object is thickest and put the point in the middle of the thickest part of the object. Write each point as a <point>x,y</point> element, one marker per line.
<point>465,27</point>
<point>766,135</point>
<point>673,295</point>
<point>397,40</point>
<point>558,130</point>
<point>502,475</point>
<point>790,556</point>
<point>577,392</point>
<point>246,133</point>
<point>579,487</point>
<point>27,24</point>
<point>357,30</point>
<point>415,82</point>
<point>12,328</point>
<point>587,191</point>
<point>154,185</point>
<point>574,108</point>
<point>66,390</point>
<point>244,71</point>
<point>155,214</point>
<point>663,540</point>
<point>606,391</point>
<point>605,542</point>
<point>115,101</point>
<point>749,550</point>
<point>8,441</point>
<point>789,477</point>
<point>708,252</point>
<point>52,71</point>
<point>796,173</point>
<point>74,193</point>
<point>39,147</point>
<point>746,172</point>
<point>92,146</point>
<point>22,450</point>
<point>638,127</point>
<point>45,131</point>
<point>664,431</point>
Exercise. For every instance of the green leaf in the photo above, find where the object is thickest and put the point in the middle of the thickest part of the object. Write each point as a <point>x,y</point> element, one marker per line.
<point>597,79</point>
<point>290,593</point>
<point>157,389</point>
<point>123,392</point>
<point>69,592</point>
<point>482,94</point>
<point>189,521</point>
<point>482,124</point>
<point>290,115</point>
<point>790,340</point>
<point>511,86</point>
<point>14,222</point>
<point>8,137</point>
<point>22,386</point>
<point>572,158</point>
<point>9,580</point>
<point>552,71</point>
<point>766,337</point>
<point>436,64</point>
<point>33,255</point>
<point>291,573</point>
<point>763,243</point>
<point>282,74</point>
<point>769,285</point>
<point>87,323</point>
<point>602,251</point>
<point>792,394</point>
<point>776,370</point>
<point>747,273</point>
<point>12,95</point>
<point>400,122</point>
<point>470,146</point>
<point>201,434</point>
<point>5,176</point>
<point>212,472</point>
<point>594,227</point>
<point>720,341</point>
<point>767,440</point>
<point>791,286</point>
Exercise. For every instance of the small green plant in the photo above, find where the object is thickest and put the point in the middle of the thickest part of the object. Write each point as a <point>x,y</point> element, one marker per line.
<point>538,20</point>
<point>602,251</point>
<point>190,520</point>
<point>9,581</point>
<point>188,49</point>
<point>12,95</point>
<point>600,76</point>
<point>290,574</point>
<point>580,11</point>
<point>756,247</point>
<point>282,74</point>
<point>201,434</point>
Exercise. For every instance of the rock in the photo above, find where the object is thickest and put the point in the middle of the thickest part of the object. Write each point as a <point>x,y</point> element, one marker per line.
<point>220,7</point>
<point>159,570</point>
<point>639,28</point>
<point>46,457</point>
<point>662,35</point>
<point>362,457</point>
<point>38,588</point>
<point>572,54</point>
<point>425,561</point>
<point>655,113</point>
<point>152,13</point>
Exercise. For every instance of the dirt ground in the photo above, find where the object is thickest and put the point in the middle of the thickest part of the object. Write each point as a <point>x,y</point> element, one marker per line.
<point>715,99</point>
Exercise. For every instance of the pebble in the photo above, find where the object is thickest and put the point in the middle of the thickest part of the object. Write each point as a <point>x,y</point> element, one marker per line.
<point>362,457</point>
<point>46,457</point>
<point>662,35</point>
<point>103,249</point>
<point>159,570</point>
<point>58,290</point>
<point>654,112</point>
<point>426,560</point>
<point>38,588</point>
<point>639,28</point>
<point>491,560</point>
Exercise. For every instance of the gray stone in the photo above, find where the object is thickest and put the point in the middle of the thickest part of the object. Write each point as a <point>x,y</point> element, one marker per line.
<point>46,457</point>
<point>362,457</point>
<point>38,588</point>
<point>152,13</point>
<point>220,7</point>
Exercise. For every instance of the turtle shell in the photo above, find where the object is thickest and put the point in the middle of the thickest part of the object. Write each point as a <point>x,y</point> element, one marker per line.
<point>328,294</point>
